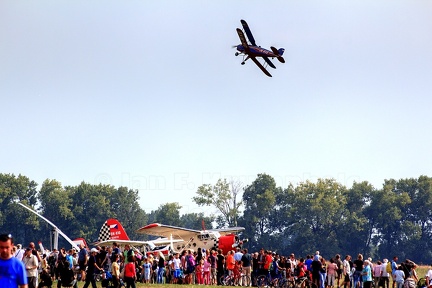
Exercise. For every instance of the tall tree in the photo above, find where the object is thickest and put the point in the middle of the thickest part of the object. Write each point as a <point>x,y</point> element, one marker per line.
<point>356,234</point>
<point>13,218</point>
<point>319,211</point>
<point>125,207</point>
<point>223,196</point>
<point>91,207</point>
<point>260,200</point>
<point>168,213</point>
<point>387,210</point>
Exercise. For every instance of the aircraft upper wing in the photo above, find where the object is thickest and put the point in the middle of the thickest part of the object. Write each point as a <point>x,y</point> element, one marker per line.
<point>243,39</point>
<point>261,66</point>
<point>162,230</point>
<point>269,62</point>
<point>229,230</point>
<point>177,233</point>
<point>248,32</point>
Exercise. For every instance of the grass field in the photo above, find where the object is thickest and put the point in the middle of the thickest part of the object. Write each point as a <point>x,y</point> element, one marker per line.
<point>421,272</point>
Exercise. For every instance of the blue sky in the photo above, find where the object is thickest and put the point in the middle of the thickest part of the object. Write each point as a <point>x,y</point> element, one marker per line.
<point>149,94</point>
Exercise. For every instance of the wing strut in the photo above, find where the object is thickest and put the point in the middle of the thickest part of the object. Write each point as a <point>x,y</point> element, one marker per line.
<point>260,66</point>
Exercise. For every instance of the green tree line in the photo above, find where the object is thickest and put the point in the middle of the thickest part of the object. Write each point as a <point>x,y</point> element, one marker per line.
<point>325,215</point>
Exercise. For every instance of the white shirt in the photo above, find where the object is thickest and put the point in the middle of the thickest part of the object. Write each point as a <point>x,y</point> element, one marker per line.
<point>429,275</point>
<point>346,267</point>
<point>384,272</point>
<point>176,262</point>
<point>31,262</point>
<point>19,254</point>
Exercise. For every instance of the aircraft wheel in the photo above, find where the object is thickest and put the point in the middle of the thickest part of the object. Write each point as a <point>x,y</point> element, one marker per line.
<point>236,54</point>
<point>242,63</point>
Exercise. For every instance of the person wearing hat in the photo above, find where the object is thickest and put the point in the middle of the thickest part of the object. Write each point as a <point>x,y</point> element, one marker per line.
<point>92,268</point>
<point>19,254</point>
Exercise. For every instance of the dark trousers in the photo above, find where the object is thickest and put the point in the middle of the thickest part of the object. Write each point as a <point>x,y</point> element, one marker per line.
<point>90,279</point>
<point>130,282</point>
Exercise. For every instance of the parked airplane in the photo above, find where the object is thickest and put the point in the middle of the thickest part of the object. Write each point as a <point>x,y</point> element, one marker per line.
<point>183,238</point>
<point>112,231</point>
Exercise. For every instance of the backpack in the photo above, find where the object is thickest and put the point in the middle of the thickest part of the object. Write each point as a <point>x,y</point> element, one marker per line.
<point>190,264</point>
<point>389,267</point>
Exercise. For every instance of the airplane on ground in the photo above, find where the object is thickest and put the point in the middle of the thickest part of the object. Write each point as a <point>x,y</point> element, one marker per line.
<point>183,239</point>
<point>112,231</point>
<point>252,51</point>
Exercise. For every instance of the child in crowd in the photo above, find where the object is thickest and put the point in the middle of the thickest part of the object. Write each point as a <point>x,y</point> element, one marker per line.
<point>199,272</point>
<point>206,270</point>
<point>147,271</point>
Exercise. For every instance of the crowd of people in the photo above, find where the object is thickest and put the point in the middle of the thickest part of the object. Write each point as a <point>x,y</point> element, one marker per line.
<point>115,267</point>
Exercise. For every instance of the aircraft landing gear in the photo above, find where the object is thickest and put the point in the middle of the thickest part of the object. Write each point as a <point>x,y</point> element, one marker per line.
<point>236,54</point>
<point>242,63</point>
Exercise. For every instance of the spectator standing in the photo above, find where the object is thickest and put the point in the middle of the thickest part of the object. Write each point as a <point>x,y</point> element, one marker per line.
<point>220,263</point>
<point>332,269</point>
<point>429,278</point>
<point>246,266</point>
<point>91,269</point>
<point>19,253</point>
<point>394,267</point>
<point>82,261</point>
<point>115,271</point>
<point>12,270</point>
<point>130,272</point>
<point>367,274</point>
<point>399,277</point>
<point>31,264</point>
<point>376,273</point>
<point>384,274</point>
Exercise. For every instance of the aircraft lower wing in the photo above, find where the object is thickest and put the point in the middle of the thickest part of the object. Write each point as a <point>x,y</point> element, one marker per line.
<point>123,242</point>
<point>260,66</point>
<point>269,62</point>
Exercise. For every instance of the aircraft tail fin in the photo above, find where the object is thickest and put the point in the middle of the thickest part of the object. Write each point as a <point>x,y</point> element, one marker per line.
<point>112,230</point>
<point>279,53</point>
<point>81,241</point>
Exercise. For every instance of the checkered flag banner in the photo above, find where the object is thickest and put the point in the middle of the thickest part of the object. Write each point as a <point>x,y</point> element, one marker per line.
<point>104,233</point>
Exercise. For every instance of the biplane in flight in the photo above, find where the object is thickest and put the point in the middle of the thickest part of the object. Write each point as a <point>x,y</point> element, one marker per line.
<point>252,51</point>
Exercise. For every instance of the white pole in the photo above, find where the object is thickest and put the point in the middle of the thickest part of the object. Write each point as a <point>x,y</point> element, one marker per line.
<point>57,230</point>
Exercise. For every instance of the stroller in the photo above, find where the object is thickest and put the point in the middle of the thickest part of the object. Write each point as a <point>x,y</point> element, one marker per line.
<point>106,279</point>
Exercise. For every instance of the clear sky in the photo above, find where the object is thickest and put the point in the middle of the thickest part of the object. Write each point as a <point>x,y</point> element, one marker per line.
<point>149,94</point>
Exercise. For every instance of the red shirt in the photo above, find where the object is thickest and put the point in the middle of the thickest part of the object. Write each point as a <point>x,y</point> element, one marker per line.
<point>230,263</point>
<point>301,268</point>
<point>130,270</point>
<point>268,261</point>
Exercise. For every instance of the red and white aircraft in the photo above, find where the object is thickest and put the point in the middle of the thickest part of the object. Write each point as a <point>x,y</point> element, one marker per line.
<point>112,231</point>
<point>182,238</point>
